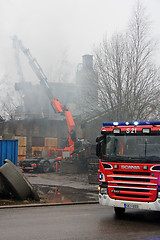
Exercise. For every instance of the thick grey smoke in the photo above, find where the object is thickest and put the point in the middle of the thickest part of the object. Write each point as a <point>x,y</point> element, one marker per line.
<point>52,29</point>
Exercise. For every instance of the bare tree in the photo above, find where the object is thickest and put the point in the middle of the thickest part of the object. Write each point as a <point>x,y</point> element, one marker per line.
<point>9,99</point>
<point>128,80</point>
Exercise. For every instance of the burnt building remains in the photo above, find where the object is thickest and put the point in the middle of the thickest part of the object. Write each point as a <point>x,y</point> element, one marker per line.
<point>36,120</point>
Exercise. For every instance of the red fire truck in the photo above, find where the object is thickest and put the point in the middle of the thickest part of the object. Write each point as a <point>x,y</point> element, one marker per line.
<point>129,165</point>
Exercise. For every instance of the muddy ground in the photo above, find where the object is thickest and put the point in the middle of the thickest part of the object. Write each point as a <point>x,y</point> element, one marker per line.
<point>53,187</point>
<point>56,188</point>
<point>78,181</point>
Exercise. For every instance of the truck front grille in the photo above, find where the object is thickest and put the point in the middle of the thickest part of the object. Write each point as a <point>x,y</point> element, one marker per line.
<point>135,186</point>
<point>26,164</point>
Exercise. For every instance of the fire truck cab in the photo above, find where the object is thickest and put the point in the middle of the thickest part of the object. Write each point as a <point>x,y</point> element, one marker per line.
<point>129,165</point>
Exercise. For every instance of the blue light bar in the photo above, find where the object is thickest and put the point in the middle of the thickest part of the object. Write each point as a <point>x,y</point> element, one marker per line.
<point>135,123</point>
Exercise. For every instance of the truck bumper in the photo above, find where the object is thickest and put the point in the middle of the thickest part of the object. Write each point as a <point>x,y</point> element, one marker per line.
<point>27,168</point>
<point>104,199</point>
<point>30,168</point>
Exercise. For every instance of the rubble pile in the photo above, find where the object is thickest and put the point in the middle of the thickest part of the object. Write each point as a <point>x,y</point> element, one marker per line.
<point>83,160</point>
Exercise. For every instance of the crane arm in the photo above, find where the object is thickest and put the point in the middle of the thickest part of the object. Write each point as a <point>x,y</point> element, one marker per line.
<point>57,106</point>
<point>17,60</point>
<point>60,108</point>
<point>36,69</point>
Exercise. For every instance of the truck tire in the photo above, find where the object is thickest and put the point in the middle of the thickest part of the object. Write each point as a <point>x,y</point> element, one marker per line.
<point>17,184</point>
<point>119,211</point>
<point>46,167</point>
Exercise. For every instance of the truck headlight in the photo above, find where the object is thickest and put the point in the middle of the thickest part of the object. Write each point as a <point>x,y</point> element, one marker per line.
<point>103,190</point>
<point>158,191</point>
<point>33,164</point>
<point>101,177</point>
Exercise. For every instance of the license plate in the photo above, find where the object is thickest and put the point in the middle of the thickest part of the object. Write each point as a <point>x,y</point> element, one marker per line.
<point>135,206</point>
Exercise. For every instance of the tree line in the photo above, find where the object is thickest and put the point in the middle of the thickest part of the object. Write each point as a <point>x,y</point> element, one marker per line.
<point>128,78</point>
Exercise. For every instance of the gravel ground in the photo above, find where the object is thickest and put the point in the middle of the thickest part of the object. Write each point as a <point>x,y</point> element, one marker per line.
<point>78,181</point>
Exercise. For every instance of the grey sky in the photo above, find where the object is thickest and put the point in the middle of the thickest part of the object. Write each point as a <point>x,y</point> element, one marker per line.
<point>51,27</point>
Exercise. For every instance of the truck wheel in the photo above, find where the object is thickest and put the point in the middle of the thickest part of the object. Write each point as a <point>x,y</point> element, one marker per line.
<point>46,167</point>
<point>119,211</point>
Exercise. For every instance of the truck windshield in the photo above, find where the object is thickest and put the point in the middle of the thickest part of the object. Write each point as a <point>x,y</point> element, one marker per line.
<point>133,147</point>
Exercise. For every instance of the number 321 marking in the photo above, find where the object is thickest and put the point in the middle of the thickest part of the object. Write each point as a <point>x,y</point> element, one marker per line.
<point>131,130</point>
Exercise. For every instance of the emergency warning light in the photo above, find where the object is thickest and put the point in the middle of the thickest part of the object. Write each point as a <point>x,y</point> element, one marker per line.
<point>135,123</point>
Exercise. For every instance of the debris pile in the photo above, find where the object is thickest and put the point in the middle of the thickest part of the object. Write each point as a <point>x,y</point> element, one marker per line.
<point>83,160</point>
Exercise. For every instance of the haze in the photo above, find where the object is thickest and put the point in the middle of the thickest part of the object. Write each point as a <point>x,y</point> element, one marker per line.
<point>52,28</point>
